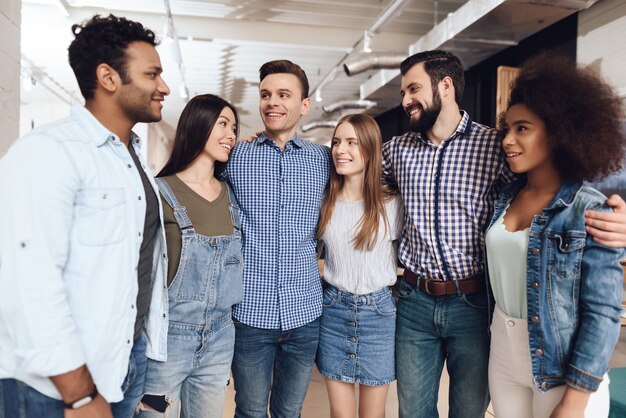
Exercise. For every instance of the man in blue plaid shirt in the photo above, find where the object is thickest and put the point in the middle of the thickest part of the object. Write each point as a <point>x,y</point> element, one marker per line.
<point>448,170</point>
<point>279,180</point>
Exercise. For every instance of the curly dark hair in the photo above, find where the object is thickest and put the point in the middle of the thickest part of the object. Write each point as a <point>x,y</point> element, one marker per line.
<point>103,40</point>
<point>581,113</point>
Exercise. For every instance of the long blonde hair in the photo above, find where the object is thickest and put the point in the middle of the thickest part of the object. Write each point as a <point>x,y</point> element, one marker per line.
<point>374,194</point>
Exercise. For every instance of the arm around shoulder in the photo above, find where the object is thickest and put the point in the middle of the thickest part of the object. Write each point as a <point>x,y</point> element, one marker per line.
<point>608,228</point>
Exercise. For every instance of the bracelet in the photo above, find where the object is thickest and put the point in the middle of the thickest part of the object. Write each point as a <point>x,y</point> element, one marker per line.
<point>82,401</point>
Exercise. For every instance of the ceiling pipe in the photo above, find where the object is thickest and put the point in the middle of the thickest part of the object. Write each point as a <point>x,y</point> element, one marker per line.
<point>390,13</point>
<point>318,124</point>
<point>373,61</point>
<point>348,105</point>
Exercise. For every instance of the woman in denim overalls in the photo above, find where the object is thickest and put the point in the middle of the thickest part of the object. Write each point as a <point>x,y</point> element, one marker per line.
<point>207,281</point>
<point>557,290</point>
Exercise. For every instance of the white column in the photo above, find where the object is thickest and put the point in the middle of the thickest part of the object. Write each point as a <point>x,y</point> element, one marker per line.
<point>10,22</point>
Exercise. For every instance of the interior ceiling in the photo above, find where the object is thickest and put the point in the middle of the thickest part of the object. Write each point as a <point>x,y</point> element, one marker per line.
<point>223,44</point>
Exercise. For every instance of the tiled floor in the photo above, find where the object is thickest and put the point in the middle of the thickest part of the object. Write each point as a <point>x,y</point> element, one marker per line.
<point>316,402</point>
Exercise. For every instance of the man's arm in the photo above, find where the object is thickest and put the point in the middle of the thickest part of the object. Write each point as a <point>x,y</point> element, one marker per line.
<point>388,177</point>
<point>608,228</point>
<point>40,182</point>
<point>76,385</point>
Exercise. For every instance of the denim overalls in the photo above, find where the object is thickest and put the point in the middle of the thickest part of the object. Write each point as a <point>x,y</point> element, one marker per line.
<point>201,334</point>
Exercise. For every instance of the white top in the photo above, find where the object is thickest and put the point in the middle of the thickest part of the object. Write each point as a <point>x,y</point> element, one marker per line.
<point>506,260</point>
<point>356,271</point>
<point>71,220</point>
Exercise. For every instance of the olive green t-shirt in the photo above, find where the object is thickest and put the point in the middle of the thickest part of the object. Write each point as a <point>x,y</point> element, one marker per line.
<point>208,218</point>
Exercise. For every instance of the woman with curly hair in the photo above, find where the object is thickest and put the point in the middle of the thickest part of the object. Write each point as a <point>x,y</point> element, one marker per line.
<point>557,291</point>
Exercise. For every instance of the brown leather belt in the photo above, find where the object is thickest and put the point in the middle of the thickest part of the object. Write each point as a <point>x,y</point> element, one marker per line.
<point>438,287</point>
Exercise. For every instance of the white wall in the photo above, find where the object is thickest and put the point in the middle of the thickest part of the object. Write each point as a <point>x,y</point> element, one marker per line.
<point>602,41</point>
<point>10,20</point>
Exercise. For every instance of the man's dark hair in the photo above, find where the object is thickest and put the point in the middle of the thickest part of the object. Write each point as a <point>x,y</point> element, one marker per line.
<point>581,112</point>
<point>439,64</point>
<point>286,67</point>
<point>103,40</point>
<point>195,125</point>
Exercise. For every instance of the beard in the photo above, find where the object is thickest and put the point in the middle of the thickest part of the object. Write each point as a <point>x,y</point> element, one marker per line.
<point>428,116</point>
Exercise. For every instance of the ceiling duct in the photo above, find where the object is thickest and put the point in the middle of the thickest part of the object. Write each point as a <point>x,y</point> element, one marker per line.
<point>348,105</point>
<point>392,10</point>
<point>318,124</point>
<point>476,31</point>
<point>372,61</point>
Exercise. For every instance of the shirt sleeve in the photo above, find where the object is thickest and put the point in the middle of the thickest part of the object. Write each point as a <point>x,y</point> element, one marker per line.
<point>388,174</point>
<point>599,309</point>
<point>39,182</point>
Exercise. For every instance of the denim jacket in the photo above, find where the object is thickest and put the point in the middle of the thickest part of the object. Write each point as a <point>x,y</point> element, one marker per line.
<point>574,290</point>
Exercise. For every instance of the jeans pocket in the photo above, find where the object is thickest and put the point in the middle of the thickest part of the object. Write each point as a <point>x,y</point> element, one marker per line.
<point>475,300</point>
<point>404,289</point>
<point>385,307</point>
<point>328,299</point>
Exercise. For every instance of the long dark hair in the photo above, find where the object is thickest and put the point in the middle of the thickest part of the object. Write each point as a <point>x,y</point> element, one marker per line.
<point>194,128</point>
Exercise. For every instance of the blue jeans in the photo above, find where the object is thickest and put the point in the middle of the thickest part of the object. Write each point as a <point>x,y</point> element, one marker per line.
<point>273,359</point>
<point>431,329</point>
<point>17,399</point>
<point>196,373</point>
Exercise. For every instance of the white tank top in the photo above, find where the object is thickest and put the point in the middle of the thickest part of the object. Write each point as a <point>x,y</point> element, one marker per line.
<point>506,260</point>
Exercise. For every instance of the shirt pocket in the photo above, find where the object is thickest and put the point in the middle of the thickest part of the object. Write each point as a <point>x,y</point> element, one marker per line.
<point>100,216</point>
<point>567,250</point>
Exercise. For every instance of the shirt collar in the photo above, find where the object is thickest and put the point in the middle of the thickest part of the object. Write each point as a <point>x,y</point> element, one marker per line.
<point>463,128</point>
<point>296,140</point>
<point>98,133</point>
<point>563,198</point>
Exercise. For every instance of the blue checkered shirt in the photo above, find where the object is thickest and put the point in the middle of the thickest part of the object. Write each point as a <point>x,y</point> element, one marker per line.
<point>280,194</point>
<point>448,193</point>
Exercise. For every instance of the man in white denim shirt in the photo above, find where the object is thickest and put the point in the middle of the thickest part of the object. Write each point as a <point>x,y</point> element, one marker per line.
<point>82,253</point>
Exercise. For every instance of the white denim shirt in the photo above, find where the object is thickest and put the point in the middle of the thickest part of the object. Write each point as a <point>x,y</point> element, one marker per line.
<point>71,218</point>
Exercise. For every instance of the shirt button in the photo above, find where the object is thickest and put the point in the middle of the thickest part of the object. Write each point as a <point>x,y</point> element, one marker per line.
<point>138,197</point>
<point>539,352</point>
<point>510,323</point>
<point>127,341</point>
<point>535,285</point>
<point>352,308</point>
<point>23,244</point>
<point>535,251</point>
<point>352,356</point>
<point>352,323</point>
<point>132,306</point>
<point>353,339</point>
<point>104,196</point>
<point>129,166</point>
<point>534,319</point>
<point>139,233</point>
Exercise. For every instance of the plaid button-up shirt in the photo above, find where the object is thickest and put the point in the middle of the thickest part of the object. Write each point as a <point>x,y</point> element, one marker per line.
<point>448,193</point>
<point>280,193</point>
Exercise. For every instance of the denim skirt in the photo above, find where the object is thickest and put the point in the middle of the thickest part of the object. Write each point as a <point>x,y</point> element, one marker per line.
<point>357,337</point>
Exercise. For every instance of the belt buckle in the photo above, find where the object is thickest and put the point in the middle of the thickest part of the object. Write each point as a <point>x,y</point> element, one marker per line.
<point>427,289</point>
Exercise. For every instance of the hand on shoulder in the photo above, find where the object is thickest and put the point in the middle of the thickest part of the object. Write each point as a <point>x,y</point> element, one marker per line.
<point>608,228</point>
